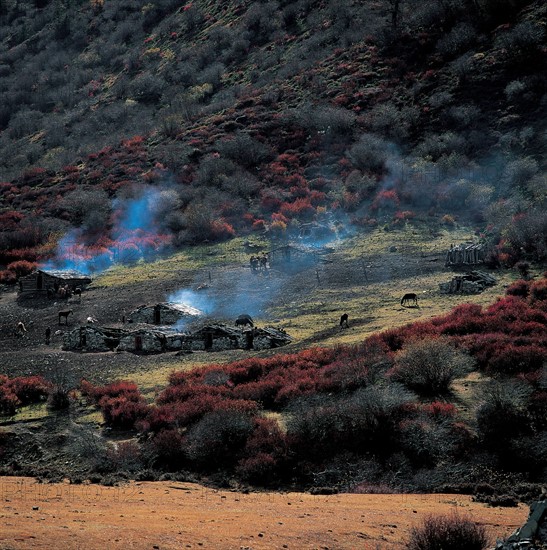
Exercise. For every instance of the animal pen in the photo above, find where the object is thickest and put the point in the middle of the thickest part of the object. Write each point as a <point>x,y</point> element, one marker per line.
<point>465,254</point>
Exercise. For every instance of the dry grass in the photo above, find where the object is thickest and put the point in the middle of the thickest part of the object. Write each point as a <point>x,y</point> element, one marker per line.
<point>179,515</point>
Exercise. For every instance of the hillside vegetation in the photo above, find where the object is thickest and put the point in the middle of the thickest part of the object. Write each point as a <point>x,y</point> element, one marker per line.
<point>229,118</point>
<point>392,413</point>
<point>129,130</point>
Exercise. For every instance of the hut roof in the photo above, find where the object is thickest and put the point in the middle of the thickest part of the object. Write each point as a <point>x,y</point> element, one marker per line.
<point>218,329</point>
<point>65,273</point>
<point>182,308</point>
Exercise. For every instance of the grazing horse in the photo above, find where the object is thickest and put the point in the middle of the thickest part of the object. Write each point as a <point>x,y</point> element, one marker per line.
<point>78,292</point>
<point>64,313</point>
<point>21,329</point>
<point>244,320</point>
<point>344,320</point>
<point>409,297</point>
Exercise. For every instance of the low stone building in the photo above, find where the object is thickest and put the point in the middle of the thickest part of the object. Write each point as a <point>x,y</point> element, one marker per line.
<point>52,279</point>
<point>217,337</point>
<point>269,337</point>
<point>165,313</point>
<point>143,339</point>
<point>92,338</point>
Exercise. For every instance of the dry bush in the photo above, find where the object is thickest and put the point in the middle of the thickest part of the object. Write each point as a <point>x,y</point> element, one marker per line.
<point>430,366</point>
<point>369,153</point>
<point>448,533</point>
<point>218,438</point>
<point>503,414</point>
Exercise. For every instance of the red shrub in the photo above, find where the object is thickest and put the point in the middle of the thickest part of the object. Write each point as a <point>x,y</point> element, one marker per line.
<point>119,388</point>
<point>519,288</point>
<point>221,230</point>
<point>439,409</point>
<point>22,267</point>
<point>29,389</point>
<point>513,359</point>
<point>258,469</point>
<point>168,445</point>
<point>385,199</point>
<point>301,208</point>
<point>8,277</point>
<point>538,291</point>
<point>8,401</point>
<point>123,412</point>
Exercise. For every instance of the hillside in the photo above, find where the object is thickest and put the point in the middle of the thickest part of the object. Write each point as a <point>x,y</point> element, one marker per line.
<point>260,117</point>
<point>159,146</point>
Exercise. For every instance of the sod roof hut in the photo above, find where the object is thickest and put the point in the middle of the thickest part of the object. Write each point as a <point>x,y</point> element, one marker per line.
<point>165,313</point>
<point>91,338</point>
<point>44,279</point>
<point>143,340</point>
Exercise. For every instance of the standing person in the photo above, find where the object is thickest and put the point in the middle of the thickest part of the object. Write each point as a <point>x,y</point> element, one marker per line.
<point>48,336</point>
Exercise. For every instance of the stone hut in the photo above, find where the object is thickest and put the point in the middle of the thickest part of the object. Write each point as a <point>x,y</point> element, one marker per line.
<point>217,337</point>
<point>269,337</point>
<point>143,340</point>
<point>91,338</point>
<point>44,279</point>
<point>165,313</point>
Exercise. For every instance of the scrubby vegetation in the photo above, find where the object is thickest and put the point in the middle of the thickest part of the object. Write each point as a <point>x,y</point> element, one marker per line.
<point>263,116</point>
<point>448,533</point>
<point>385,412</point>
<point>20,391</point>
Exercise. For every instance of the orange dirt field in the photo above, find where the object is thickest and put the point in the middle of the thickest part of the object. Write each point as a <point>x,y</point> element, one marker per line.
<point>161,515</point>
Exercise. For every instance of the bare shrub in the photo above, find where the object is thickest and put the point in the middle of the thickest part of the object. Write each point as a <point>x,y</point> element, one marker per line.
<point>518,173</point>
<point>243,149</point>
<point>392,122</point>
<point>217,438</point>
<point>261,21</point>
<point>369,153</point>
<point>88,208</point>
<point>450,532</point>
<point>146,87</point>
<point>459,39</point>
<point>430,366</point>
<point>437,145</point>
<point>515,89</point>
<point>522,39</point>
<point>503,415</point>
<point>24,122</point>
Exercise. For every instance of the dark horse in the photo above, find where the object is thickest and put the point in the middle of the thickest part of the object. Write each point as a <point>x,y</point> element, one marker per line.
<point>344,320</point>
<point>244,320</point>
<point>65,313</point>
<point>409,297</point>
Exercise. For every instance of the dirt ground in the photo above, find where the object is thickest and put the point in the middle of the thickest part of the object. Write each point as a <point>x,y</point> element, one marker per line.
<point>177,515</point>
